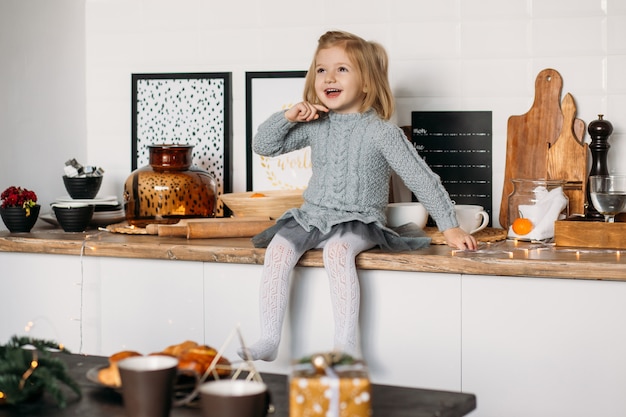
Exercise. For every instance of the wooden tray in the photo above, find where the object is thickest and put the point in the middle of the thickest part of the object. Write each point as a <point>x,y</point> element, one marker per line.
<point>488,234</point>
<point>588,234</point>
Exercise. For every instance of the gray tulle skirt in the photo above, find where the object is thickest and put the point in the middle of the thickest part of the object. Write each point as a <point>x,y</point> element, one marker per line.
<point>407,237</point>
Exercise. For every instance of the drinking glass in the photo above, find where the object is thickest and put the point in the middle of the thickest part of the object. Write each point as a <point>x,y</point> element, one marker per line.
<point>608,195</point>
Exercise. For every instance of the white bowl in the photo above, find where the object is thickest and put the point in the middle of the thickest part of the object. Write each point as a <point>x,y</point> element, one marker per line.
<point>399,214</point>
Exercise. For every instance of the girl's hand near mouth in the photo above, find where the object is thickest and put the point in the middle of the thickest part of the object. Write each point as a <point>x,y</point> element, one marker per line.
<point>305,112</point>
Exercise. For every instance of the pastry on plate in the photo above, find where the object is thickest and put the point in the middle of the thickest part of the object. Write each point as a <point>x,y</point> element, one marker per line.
<point>200,358</point>
<point>110,376</point>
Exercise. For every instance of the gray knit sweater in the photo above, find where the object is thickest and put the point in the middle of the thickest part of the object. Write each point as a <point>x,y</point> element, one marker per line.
<point>352,156</point>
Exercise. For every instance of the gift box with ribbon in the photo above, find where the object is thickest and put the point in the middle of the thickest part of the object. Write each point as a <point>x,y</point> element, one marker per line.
<point>329,385</point>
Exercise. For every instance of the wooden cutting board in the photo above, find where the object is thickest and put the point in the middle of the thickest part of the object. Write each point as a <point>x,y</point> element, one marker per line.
<point>567,159</point>
<point>530,136</point>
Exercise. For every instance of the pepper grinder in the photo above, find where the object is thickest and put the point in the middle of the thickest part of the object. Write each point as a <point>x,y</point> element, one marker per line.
<point>599,130</point>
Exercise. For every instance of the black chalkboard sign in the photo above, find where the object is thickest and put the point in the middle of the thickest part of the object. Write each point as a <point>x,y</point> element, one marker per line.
<point>457,147</point>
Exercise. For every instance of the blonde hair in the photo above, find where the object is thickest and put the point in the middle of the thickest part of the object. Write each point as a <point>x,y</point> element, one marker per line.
<point>371,62</point>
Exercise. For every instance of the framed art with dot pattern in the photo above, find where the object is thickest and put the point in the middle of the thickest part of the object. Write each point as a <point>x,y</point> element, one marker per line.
<point>185,108</point>
<point>267,93</point>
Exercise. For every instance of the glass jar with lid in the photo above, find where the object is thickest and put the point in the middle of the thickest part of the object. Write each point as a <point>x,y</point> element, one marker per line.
<point>534,206</point>
<point>169,189</point>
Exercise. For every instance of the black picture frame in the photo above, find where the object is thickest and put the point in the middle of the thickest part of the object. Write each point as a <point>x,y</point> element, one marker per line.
<point>457,145</point>
<point>255,101</point>
<point>185,108</point>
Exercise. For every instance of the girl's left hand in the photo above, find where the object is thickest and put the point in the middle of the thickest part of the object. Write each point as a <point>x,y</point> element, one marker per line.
<point>459,239</point>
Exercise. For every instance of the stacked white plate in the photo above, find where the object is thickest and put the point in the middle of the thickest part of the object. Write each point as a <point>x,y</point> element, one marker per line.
<point>108,210</point>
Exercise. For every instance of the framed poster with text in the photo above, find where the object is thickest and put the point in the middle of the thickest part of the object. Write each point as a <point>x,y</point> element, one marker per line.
<point>267,93</point>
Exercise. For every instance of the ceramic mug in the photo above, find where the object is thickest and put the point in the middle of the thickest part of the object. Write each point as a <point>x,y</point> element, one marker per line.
<point>148,385</point>
<point>234,398</point>
<point>399,214</point>
<point>471,218</point>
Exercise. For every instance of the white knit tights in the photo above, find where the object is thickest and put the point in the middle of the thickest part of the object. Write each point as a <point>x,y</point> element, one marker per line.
<point>339,261</point>
<point>345,293</point>
<point>280,259</point>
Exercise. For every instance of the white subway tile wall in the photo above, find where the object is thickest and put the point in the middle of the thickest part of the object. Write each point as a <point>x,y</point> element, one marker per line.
<point>444,55</point>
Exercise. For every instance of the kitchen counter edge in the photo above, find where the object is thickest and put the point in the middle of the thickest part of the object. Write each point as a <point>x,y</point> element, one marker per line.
<point>503,258</point>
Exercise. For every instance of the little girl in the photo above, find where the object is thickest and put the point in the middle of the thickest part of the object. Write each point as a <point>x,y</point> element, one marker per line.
<point>344,119</point>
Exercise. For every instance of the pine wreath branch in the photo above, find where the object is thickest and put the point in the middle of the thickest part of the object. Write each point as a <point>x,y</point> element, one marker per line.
<point>28,369</point>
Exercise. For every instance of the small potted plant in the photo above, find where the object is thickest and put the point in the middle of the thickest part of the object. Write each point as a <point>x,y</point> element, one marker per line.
<point>19,209</point>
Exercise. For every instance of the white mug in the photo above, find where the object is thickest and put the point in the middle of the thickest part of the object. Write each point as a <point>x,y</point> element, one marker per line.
<point>471,218</point>
<point>399,214</point>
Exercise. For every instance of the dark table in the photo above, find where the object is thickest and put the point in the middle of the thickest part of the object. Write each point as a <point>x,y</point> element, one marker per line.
<point>98,401</point>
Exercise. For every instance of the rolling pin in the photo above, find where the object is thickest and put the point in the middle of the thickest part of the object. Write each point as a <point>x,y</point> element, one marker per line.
<point>212,227</point>
<point>203,230</point>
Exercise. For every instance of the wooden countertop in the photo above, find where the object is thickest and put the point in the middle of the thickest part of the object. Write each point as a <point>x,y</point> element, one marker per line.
<point>503,258</point>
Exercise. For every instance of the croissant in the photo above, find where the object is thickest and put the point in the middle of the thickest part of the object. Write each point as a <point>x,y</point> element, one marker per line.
<point>110,376</point>
<point>199,359</point>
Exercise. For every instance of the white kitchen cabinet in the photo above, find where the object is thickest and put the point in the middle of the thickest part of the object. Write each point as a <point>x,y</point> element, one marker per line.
<point>146,305</point>
<point>410,322</point>
<point>524,346</point>
<point>544,347</point>
<point>412,328</point>
<point>101,305</point>
<point>40,297</point>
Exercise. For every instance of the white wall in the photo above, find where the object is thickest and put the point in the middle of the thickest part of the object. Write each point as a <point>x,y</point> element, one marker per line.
<point>42,93</point>
<point>445,55</point>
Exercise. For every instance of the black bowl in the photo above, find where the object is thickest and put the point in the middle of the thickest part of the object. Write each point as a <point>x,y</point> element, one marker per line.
<point>73,217</point>
<point>82,187</point>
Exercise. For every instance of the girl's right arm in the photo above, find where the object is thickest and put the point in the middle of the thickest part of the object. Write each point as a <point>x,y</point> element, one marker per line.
<point>305,112</point>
